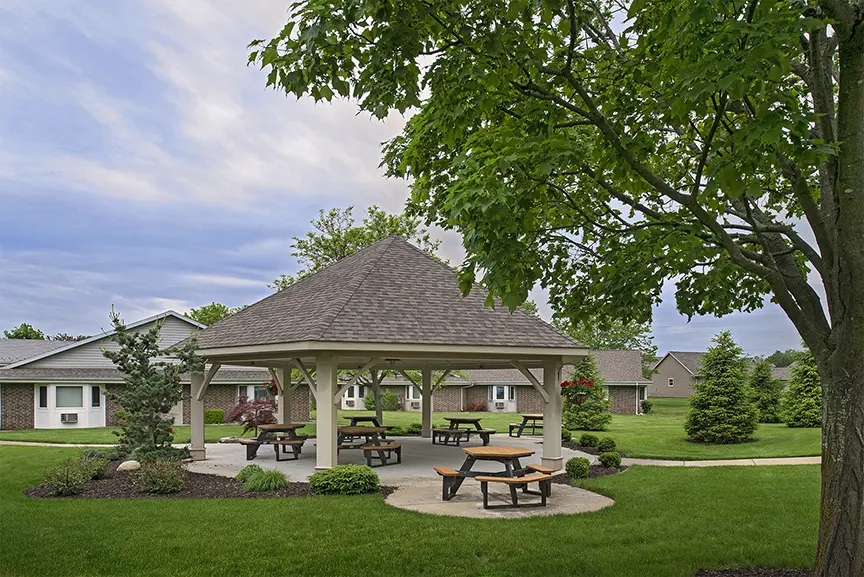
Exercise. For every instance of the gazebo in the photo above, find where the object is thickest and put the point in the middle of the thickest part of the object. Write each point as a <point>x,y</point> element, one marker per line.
<point>389,306</point>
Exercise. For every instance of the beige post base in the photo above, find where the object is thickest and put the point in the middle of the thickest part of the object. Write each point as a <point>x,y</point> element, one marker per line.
<point>553,462</point>
<point>198,454</point>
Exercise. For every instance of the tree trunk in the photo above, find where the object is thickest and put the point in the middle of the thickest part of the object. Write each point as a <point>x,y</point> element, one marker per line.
<point>840,550</point>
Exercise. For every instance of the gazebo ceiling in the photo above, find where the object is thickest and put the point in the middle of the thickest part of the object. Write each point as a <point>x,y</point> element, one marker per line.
<point>392,301</point>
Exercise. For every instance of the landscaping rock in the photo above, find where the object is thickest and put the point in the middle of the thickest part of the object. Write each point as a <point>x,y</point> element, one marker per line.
<point>129,466</point>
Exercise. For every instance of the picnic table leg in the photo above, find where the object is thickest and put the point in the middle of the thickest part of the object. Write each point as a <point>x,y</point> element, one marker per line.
<point>466,466</point>
<point>522,426</point>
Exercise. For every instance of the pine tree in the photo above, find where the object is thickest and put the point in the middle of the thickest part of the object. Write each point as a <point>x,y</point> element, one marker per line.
<point>722,410</point>
<point>803,403</point>
<point>151,386</point>
<point>592,414</point>
<point>766,392</point>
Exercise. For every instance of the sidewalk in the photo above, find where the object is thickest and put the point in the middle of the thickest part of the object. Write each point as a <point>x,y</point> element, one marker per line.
<point>725,462</point>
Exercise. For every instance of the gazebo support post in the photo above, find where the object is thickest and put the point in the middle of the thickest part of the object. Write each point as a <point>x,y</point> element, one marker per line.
<point>196,419</point>
<point>376,390</point>
<point>552,454</point>
<point>325,431</point>
<point>426,403</point>
<point>284,400</point>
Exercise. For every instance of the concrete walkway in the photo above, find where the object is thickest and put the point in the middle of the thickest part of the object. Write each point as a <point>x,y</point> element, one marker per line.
<point>725,462</point>
<point>32,444</point>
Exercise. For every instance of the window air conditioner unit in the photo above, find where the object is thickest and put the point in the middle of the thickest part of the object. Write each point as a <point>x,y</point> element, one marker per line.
<point>69,418</point>
<point>499,406</point>
<point>349,403</point>
<point>415,404</point>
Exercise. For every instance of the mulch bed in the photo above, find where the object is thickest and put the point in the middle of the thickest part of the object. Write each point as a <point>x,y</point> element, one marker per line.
<point>120,485</point>
<point>758,572</point>
<point>590,450</point>
<point>593,471</point>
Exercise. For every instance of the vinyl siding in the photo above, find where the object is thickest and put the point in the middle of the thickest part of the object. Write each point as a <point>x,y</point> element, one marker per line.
<point>671,368</point>
<point>90,355</point>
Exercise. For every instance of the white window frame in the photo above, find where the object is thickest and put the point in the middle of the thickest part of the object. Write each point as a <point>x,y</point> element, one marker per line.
<point>57,389</point>
<point>410,393</point>
<point>670,382</point>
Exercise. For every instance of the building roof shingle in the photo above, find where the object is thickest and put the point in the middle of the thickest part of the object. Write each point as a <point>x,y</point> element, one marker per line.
<point>388,292</point>
<point>14,350</point>
<point>97,375</point>
<point>692,361</point>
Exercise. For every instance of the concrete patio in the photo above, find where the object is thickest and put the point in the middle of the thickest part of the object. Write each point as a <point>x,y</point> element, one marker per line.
<point>419,455</point>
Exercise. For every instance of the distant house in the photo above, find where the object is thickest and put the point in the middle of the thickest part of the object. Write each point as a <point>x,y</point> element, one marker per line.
<point>507,390</point>
<point>56,384</point>
<point>677,372</point>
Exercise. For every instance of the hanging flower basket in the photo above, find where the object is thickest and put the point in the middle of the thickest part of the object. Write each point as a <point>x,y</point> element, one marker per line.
<point>271,386</point>
<point>576,391</point>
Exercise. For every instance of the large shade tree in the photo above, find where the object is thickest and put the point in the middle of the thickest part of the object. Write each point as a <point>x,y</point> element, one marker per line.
<point>605,147</point>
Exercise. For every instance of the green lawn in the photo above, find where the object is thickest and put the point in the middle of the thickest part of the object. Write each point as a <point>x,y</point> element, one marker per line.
<point>665,523</point>
<point>658,436</point>
<point>661,436</point>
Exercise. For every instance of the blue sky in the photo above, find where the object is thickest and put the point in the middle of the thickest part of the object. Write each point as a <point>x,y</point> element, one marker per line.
<point>142,164</point>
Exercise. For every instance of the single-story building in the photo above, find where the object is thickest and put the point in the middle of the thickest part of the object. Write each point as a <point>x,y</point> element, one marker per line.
<point>55,384</point>
<point>507,390</point>
<point>677,372</point>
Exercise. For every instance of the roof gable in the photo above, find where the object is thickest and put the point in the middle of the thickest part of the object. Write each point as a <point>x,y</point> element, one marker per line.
<point>620,366</point>
<point>692,361</point>
<point>47,358</point>
<point>388,292</point>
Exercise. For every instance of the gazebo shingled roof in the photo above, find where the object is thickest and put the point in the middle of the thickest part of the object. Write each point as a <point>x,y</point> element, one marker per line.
<point>388,292</point>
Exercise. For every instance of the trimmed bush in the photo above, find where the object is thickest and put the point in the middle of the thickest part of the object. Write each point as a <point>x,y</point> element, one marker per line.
<point>566,436</point>
<point>475,407</point>
<point>577,467</point>
<point>147,454</point>
<point>214,417</point>
<point>647,407</point>
<point>606,445</point>
<point>803,404</point>
<point>588,440</point>
<point>722,409</point>
<point>593,413</point>
<point>610,459</point>
<point>264,481</point>
<point>98,467</point>
<point>160,476</point>
<point>345,480</point>
<point>414,429</point>
<point>69,477</point>
<point>389,401</point>
<point>246,472</point>
<point>113,454</point>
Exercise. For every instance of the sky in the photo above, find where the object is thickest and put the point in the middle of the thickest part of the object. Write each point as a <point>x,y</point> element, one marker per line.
<point>143,165</point>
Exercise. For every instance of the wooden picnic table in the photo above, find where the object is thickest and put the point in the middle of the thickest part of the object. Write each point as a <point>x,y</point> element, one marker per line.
<point>508,456</point>
<point>526,417</point>
<point>357,419</point>
<point>373,440</point>
<point>268,434</point>
<point>456,421</point>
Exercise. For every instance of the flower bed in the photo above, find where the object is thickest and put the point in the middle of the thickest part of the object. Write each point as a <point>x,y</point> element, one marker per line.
<point>593,471</point>
<point>120,485</point>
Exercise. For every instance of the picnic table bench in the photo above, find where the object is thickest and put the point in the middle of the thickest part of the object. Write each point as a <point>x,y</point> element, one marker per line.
<point>544,482</point>
<point>270,434</point>
<point>526,418</point>
<point>355,421</point>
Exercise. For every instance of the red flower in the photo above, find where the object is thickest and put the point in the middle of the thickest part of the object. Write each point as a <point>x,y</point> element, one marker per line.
<point>590,384</point>
<point>565,384</point>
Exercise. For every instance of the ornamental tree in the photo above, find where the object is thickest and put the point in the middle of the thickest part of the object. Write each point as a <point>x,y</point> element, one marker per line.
<point>592,412</point>
<point>721,409</point>
<point>767,392</point>
<point>24,331</point>
<point>252,413</point>
<point>337,235</point>
<point>151,386</point>
<point>803,402</point>
<point>606,147</point>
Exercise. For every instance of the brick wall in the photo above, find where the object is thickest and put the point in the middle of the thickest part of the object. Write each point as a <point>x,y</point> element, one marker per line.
<point>220,397</point>
<point>300,404</point>
<point>528,400</point>
<point>18,405</point>
<point>624,400</point>
<point>447,399</point>
<point>476,394</point>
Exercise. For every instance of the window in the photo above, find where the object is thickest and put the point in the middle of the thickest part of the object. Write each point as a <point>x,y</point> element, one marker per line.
<point>512,393</point>
<point>502,393</point>
<point>671,382</point>
<point>70,397</point>
<point>43,397</point>
<point>642,393</point>
<point>350,394</point>
<point>261,392</point>
<point>414,393</point>
<point>499,393</point>
<point>95,396</point>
